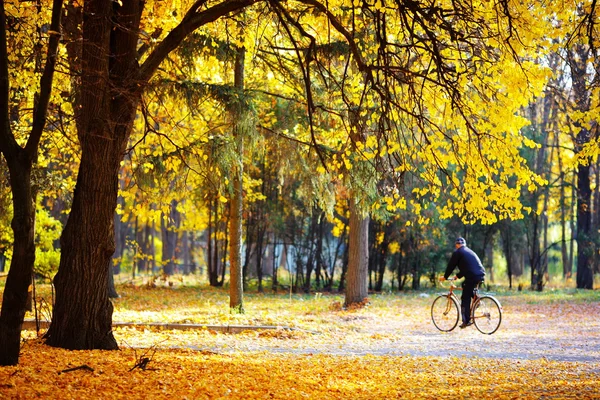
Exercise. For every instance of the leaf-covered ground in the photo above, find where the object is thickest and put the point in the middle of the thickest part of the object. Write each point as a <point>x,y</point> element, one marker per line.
<point>547,347</point>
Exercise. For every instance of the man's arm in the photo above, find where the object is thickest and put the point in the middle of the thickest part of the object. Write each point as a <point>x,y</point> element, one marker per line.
<point>452,263</point>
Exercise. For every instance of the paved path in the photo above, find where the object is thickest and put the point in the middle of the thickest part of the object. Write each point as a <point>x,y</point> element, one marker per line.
<point>567,332</point>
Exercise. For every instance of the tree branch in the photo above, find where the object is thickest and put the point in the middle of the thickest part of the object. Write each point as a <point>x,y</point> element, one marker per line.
<point>41,109</point>
<point>192,21</point>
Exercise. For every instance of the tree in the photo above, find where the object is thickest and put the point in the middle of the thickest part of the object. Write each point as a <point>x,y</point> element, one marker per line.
<point>20,161</point>
<point>239,114</point>
<point>110,89</point>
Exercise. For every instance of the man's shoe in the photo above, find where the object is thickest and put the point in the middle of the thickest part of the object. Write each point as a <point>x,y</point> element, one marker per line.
<point>463,325</point>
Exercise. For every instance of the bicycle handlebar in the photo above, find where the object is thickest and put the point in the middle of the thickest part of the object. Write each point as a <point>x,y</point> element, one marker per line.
<point>451,280</point>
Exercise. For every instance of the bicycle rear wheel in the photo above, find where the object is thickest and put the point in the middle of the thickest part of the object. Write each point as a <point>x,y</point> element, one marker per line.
<point>445,313</point>
<point>487,314</point>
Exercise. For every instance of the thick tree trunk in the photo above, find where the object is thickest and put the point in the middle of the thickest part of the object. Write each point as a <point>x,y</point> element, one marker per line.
<point>82,317</point>
<point>358,258</point>
<point>83,313</point>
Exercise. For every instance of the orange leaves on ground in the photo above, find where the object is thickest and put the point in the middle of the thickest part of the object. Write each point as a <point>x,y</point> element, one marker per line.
<point>180,374</point>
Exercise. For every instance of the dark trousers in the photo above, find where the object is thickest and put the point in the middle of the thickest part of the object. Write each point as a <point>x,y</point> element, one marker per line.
<point>468,286</point>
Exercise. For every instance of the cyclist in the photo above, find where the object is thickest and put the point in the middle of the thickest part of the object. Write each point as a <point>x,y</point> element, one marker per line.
<point>470,267</point>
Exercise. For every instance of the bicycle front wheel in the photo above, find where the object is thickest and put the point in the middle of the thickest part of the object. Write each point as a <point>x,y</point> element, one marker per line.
<point>445,313</point>
<point>487,314</point>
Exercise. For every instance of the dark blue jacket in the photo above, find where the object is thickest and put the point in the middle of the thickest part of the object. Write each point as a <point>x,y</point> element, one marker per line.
<point>468,264</point>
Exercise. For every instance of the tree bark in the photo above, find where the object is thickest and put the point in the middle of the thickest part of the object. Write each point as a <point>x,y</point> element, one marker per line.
<point>358,257</point>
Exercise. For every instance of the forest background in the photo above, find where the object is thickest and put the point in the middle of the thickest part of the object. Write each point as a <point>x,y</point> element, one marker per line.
<point>299,146</point>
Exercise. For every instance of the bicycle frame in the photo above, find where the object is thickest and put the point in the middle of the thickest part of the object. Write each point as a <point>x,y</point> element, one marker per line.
<point>451,293</point>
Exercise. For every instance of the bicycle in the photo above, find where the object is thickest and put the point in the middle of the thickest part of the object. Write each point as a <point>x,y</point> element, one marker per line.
<point>486,311</point>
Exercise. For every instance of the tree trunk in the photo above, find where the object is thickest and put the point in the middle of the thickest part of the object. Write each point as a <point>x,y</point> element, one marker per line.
<point>358,258</point>
<point>236,287</point>
<point>563,218</point>
<point>585,246</point>
<point>83,313</point>
<point>20,162</point>
<point>319,251</point>
<point>578,62</point>
<point>82,317</point>
<point>310,246</point>
<point>185,252</point>
<point>14,301</point>
<point>596,219</point>
<point>169,235</point>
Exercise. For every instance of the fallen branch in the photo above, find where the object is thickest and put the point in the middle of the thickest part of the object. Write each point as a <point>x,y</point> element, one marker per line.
<point>84,366</point>
<point>143,361</point>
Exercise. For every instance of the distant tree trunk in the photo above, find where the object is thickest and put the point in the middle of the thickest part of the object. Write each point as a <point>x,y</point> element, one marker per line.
<point>508,254</point>
<point>382,256</point>
<point>489,260</point>
<point>578,62</point>
<point>185,252</point>
<point>585,246</point>
<point>143,247</point>
<point>238,112</point>
<point>209,244</point>
<point>214,251</point>
<point>358,257</point>
<point>169,236</point>
<point>225,248</point>
<point>566,262</point>
<point>248,254</point>
<point>573,223</point>
<point>596,219</point>
<point>319,250</point>
<point>310,260</point>
<point>259,257</point>
<point>192,248</point>
<point>275,280</point>
<point>151,248</point>
<point>20,162</point>
<point>121,229</point>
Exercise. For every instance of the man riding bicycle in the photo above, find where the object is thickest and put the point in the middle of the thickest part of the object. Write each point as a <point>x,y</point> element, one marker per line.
<point>469,265</point>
